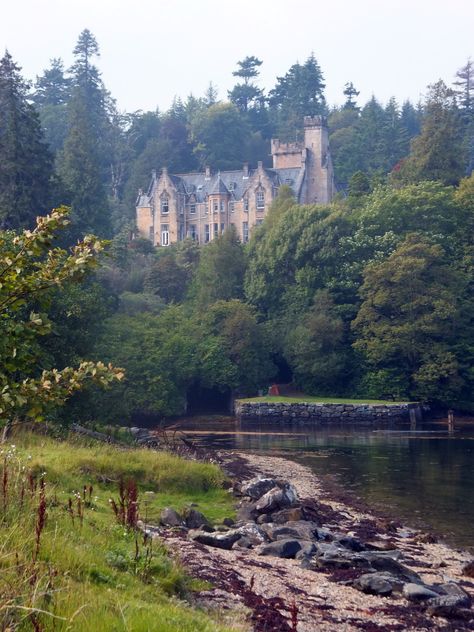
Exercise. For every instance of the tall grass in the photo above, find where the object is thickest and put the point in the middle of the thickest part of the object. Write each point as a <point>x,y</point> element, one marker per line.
<point>68,563</point>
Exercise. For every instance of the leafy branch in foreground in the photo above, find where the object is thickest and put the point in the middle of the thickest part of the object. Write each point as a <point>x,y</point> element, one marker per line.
<point>30,268</point>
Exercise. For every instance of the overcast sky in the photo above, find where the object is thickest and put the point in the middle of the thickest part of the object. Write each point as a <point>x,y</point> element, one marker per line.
<point>152,50</point>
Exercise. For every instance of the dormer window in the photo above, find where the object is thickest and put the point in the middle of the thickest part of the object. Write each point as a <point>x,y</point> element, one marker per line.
<point>192,208</point>
<point>260,199</point>
<point>246,204</point>
<point>164,201</point>
<point>231,186</point>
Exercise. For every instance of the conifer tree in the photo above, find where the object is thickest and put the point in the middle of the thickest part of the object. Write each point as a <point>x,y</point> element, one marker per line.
<point>26,166</point>
<point>51,95</point>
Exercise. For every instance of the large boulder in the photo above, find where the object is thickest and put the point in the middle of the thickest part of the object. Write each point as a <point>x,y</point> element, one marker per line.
<point>300,530</point>
<point>277,498</point>
<point>292,514</point>
<point>450,606</point>
<point>256,487</point>
<point>171,518</point>
<point>418,592</point>
<point>217,539</point>
<point>281,548</point>
<point>377,583</point>
<point>194,519</point>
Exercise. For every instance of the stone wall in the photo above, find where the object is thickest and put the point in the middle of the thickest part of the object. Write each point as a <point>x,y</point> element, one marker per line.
<point>318,413</point>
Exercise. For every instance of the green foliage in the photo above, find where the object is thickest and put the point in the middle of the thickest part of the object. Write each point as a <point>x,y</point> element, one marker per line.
<point>220,273</point>
<point>89,571</point>
<point>438,152</point>
<point>408,317</point>
<point>26,170</point>
<point>30,269</point>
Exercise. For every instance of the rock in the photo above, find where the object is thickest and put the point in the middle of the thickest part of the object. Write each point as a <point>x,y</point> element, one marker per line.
<point>171,518</point>
<point>194,519</point>
<point>454,590</point>
<point>264,518</point>
<point>348,542</point>
<point>375,583</point>
<point>242,543</point>
<point>449,607</point>
<point>277,498</point>
<point>280,548</point>
<point>308,549</point>
<point>379,561</point>
<point>468,569</point>
<point>418,592</point>
<point>300,530</point>
<point>293,514</point>
<point>228,522</point>
<point>253,532</point>
<point>218,540</point>
<point>257,487</point>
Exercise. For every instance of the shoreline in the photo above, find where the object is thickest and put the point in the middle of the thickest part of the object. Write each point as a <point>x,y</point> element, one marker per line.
<point>272,593</point>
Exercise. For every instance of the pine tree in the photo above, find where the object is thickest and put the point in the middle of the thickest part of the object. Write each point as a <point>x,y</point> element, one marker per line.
<point>84,163</point>
<point>26,166</point>
<point>247,94</point>
<point>465,92</point>
<point>351,93</point>
<point>51,95</point>
<point>438,152</point>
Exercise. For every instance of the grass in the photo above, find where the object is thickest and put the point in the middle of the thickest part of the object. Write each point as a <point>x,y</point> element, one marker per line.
<point>303,399</point>
<point>92,573</point>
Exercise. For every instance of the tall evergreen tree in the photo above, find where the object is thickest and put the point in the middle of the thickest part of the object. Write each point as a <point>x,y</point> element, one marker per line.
<point>465,91</point>
<point>438,153</point>
<point>351,94</point>
<point>82,163</point>
<point>51,95</point>
<point>247,94</point>
<point>299,93</point>
<point>26,166</point>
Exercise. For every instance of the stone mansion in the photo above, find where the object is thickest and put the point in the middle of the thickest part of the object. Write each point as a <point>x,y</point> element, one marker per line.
<point>201,206</point>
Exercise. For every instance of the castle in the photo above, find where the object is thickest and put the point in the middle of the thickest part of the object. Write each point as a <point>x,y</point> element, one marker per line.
<point>201,206</point>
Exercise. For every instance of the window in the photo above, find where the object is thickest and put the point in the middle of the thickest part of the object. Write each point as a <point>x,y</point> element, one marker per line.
<point>165,235</point>
<point>216,206</point>
<point>246,204</point>
<point>207,235</point>
<point>216,230</point>
<point>222,228</point>
<point>222,206</point>
<point>192,208</point>
<point>165,209</point>
<point>231,207</point>
<point>260,200</point>
<point>231,186</point>
<point>245,232</point>
<point>193,232</point>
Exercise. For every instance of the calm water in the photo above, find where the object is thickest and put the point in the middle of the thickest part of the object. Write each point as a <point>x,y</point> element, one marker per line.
<point>425,477</point>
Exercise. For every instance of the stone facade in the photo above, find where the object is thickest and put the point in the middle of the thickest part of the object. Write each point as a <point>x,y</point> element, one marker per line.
<point>201,206</point>
<point>323,413</point>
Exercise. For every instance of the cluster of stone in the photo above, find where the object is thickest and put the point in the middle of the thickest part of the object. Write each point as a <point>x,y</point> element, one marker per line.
<point>274,522</point>
<point>311,412</point>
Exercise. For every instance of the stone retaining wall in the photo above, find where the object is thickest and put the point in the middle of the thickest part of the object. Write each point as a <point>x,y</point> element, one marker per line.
<point>313,412</point>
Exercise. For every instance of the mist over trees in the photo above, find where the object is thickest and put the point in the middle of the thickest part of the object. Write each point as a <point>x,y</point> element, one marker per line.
<point>368,296</point>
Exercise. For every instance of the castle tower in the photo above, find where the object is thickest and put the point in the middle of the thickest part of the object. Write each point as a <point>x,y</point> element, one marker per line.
<point>319,180</point>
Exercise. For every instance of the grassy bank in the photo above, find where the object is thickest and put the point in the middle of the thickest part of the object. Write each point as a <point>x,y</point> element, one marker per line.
<point>67,562</point>
<point>305,399</point>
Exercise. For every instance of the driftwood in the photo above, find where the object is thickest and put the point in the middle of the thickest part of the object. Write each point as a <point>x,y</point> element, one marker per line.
<point>100,436</point>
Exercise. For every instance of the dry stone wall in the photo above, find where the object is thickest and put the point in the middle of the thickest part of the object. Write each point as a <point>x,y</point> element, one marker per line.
<point>314,412</point>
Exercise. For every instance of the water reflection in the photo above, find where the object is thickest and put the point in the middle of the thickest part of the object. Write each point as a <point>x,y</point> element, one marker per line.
<point>425,476</point>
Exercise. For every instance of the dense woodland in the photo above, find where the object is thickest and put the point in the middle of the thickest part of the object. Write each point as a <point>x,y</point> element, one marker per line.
<point>369,296</point>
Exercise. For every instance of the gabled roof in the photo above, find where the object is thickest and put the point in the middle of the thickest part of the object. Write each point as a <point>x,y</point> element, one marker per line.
<point>217,186</point>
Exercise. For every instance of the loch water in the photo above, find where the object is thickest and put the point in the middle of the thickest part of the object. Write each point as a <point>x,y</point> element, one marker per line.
<point>422,476</point>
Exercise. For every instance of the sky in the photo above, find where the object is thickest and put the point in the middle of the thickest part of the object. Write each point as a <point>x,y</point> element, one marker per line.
<point>154,50</point>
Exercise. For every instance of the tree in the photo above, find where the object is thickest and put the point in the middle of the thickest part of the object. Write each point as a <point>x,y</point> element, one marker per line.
<point>30,269</point>
<point>438,152</point>
<point>351,93</point>
<point>406,324</point>
<point>82,162</point>
<point>465,92</point>
<point>51,95</point>
<point>220,135</point>
<point>247,94</point>
<point>26,166</point>
<point>220,273</point>
<point>299,93</point>
<point>315,348</point>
